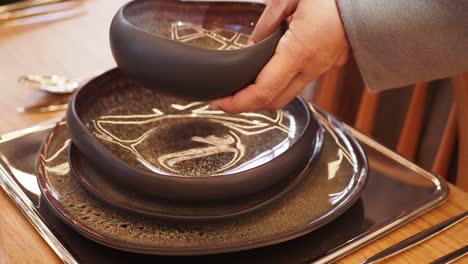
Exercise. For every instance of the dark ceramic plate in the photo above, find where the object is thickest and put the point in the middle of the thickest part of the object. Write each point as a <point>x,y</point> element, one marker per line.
<point>108,192</point>
<point>328,189</point>
<point>174,149</point>
<point>192,49</point>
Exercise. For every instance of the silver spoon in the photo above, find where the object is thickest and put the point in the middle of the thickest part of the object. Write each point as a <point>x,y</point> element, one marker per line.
<point>54,84</point>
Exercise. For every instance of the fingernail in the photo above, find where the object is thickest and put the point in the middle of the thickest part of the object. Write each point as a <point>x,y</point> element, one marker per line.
<point>250,42</point>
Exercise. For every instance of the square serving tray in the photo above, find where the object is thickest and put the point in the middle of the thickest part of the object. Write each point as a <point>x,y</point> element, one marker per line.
<point>397,191</point>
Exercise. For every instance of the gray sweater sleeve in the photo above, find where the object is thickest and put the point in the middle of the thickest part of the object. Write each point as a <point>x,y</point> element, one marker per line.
<point>401,42</point>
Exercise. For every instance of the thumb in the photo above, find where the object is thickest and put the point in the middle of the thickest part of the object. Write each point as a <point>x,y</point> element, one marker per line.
<point>271,18</point>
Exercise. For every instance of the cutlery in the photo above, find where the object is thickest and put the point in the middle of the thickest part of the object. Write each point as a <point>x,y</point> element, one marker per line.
<point>43,109</point>
<point>30,130</point>
<point>415,239</point>
<point>40,18</point>
<point>54,84</point>
<point>453,256</point>
<point>25,4</point>
<point>39,9</point>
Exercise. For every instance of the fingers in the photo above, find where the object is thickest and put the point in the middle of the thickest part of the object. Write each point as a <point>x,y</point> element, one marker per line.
<point>271,93</point>
<point>303,53</point>
<point>271,82</point>
<point>271,18</point>
<point>266,24</point>
<point>296,85</point>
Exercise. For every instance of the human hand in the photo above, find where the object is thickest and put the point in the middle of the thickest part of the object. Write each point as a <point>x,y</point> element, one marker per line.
<point>314,43</point>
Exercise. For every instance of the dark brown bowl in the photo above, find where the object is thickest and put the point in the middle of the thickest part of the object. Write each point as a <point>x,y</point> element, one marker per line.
<point>191,49</point>
<point>180,150</point>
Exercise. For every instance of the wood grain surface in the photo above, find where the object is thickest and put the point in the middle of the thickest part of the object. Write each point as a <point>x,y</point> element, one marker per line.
<point>79,46</point>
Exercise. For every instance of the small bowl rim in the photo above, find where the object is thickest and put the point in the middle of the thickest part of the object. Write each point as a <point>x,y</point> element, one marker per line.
<point>120,14</point>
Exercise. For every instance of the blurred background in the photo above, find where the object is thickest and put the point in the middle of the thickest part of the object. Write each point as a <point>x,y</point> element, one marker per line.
<point>422,122</point>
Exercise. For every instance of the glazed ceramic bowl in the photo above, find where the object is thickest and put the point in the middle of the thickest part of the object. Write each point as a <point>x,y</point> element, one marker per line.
<point>175,149</point>
<point>191,49</point>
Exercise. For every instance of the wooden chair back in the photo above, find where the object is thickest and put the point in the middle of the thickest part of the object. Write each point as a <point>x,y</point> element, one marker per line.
<point>361,111</point>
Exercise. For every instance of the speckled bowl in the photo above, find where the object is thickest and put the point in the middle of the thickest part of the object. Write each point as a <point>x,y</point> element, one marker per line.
<point>180,150</point>
<point>191,49</point>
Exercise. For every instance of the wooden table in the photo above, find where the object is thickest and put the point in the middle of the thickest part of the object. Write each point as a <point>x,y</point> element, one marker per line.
<point>80,45</point>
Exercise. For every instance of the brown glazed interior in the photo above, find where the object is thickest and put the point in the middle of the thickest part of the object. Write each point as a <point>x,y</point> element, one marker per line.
<point>175,149</point>
<point>174,137</point>
<point>210,25</point>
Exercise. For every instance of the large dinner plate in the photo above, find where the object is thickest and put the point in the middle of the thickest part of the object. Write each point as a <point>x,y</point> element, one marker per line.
<point>328,189</point>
